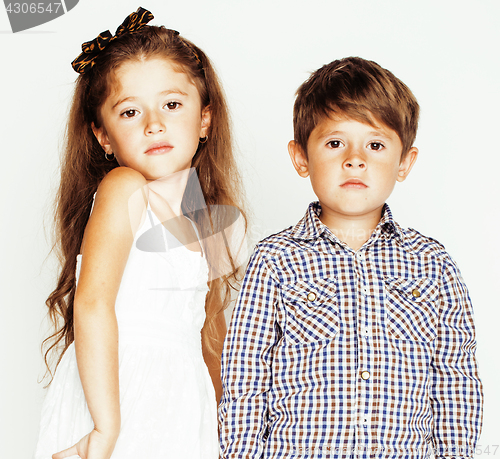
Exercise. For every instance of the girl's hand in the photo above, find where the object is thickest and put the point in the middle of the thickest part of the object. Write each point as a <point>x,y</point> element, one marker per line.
<point>95,445</point>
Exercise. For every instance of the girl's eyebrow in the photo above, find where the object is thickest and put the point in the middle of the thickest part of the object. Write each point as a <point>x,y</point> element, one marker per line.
<point>173,91</point>
<point>163,93</point>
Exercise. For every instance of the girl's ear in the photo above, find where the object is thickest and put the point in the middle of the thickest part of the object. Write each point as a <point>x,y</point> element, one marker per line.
<point>102,138</point>
<point>299,159</point>
<point>206,117</point>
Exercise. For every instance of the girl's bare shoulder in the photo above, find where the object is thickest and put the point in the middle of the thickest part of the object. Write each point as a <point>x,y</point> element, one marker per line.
<point>119,182</point>
<point>120,202</point>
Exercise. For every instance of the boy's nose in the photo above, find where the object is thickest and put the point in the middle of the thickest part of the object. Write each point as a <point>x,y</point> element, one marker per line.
<point>354,162</point>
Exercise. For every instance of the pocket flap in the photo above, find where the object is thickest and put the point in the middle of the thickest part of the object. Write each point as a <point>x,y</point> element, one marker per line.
<point>312,293</point>
<point>418,289</point>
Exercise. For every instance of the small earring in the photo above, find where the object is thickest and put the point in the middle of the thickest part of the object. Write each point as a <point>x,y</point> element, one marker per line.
<point>109,157</point>
<point>204,139</point>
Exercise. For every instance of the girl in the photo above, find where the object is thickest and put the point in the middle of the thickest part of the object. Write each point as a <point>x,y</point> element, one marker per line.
<point>148,137</point>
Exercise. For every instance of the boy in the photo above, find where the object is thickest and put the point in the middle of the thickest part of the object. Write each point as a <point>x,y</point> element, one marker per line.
<point>351,337</point>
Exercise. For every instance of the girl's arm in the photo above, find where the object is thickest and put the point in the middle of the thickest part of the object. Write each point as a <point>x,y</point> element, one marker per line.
<point>108,238</point>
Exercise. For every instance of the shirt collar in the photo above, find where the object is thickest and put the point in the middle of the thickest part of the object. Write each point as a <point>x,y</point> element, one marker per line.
<point>387,225</point>
<point>310,227</point>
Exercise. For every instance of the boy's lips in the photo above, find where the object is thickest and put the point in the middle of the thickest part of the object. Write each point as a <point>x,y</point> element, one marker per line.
<point>158,148</point>
<point>354,183</point>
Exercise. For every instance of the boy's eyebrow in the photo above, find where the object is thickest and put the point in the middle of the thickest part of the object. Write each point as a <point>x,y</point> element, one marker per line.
<point>163,93</point>
<point>327,133</point>
<point>381,132</point>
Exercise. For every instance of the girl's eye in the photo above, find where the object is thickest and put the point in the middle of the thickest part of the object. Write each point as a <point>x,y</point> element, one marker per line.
<point>334,144</point>
<point>129,113</point>
<point>172,105</point>
<point>377,146</point>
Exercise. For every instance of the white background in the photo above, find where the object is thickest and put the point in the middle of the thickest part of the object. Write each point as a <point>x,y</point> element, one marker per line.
<point>446,51</point>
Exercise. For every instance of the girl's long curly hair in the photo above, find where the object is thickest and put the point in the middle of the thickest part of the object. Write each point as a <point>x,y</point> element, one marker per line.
<point>84,166</point>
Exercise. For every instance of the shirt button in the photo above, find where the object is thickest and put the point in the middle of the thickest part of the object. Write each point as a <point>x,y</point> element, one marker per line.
<point>365,375</point>
<point>415,292</point>
<point>311,296</point>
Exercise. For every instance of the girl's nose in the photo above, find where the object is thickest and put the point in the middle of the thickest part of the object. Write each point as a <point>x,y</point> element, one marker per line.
<point>154,124</point>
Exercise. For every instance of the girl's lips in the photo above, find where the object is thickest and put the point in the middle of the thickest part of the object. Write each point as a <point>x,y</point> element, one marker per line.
<point>354,183</point>
<point>158,148</point>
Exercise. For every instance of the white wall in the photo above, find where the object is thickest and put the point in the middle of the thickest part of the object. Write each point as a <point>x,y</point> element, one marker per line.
<point>446,51</point>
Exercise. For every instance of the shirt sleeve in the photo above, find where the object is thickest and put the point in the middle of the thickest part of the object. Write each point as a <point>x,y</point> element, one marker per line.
<point>246,364</point>
<point>456,391</point>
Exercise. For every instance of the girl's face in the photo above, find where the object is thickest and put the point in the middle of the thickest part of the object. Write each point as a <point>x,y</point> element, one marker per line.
<point>152,120</point>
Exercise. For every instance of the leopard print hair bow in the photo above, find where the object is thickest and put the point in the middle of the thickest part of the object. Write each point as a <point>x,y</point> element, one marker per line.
<point>91,49</point>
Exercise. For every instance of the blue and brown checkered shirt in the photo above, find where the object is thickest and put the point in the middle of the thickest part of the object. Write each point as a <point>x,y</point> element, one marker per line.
<point>334,353</point>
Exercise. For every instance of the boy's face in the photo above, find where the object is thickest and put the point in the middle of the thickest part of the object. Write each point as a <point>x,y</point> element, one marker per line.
<point>353,166</point>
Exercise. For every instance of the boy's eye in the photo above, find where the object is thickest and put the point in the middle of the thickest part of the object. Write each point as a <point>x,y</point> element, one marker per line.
<point>129,113</point>
<point>376,146</point>
<point>334,144</point>
<point>172,105</point>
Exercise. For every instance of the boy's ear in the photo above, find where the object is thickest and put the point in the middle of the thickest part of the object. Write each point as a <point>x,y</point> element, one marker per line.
<point>298,157</point>
<point>102,138</point>
<point>406,165</point>
<point>206,118</point>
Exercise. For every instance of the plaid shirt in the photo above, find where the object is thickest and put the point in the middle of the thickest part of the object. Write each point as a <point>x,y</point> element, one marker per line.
<point>335,353</point>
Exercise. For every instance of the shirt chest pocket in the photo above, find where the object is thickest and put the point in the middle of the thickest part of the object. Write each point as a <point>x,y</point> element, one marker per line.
<point>410,306</point>
<point>311,310</point>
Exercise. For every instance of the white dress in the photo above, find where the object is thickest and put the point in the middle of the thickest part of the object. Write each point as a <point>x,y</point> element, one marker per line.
<point>167,400</point>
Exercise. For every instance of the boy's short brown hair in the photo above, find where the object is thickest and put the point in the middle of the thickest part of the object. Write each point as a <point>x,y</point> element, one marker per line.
<point>359,89</point>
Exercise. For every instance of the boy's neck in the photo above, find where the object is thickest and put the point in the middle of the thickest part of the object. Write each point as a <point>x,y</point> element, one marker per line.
<point>354,230</point>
